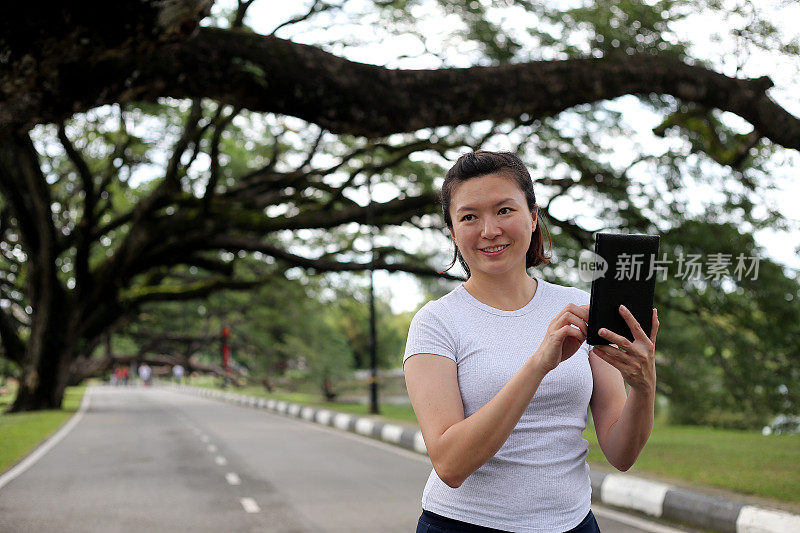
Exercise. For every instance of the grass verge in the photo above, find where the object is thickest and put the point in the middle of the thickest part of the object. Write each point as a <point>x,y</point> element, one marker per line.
<point>744,462</point>
<point>20,433</point>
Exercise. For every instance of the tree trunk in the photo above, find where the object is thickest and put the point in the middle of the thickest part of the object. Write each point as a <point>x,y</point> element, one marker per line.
<point>43,382</point>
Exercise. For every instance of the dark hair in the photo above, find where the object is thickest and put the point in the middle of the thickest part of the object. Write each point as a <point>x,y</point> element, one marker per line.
<point>482,163</point>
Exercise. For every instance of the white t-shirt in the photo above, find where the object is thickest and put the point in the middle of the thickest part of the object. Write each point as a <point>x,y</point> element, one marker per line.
<point>539,480</point>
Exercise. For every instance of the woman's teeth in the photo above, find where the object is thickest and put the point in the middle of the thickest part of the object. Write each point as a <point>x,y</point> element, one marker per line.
<point>494,249</point>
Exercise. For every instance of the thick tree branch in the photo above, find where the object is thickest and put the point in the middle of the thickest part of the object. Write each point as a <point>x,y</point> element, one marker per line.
<point>253,245</point>
<point>87,223</point>
<point>199,289</point>
<point>190,132</point>
<point>253,71</point>
<point>384,213</point>
<point>25,190</point>
<point>213,178</point>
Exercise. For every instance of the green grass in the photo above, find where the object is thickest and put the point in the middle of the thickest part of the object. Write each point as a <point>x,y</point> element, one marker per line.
<point>744,462</point>
<point>20,433</point>
<point>740,461</point>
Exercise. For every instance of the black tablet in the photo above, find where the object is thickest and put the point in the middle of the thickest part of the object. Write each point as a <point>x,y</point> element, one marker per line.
<point>623,274</point>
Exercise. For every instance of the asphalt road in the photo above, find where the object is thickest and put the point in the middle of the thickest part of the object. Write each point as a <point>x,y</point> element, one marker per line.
<point>155,460</point>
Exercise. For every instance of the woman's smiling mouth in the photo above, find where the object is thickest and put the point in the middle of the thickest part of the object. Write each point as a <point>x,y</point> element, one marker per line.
<point>494,250</point>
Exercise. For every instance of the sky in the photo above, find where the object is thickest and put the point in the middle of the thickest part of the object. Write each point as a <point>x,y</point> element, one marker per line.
<point>708,33</point>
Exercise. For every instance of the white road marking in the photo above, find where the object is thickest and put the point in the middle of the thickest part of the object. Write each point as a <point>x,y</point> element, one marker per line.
<point>633,521</point>
<point>250,505</point>
<point>232,478</point>
<point>221,461</point>
<point>47,445</point>
<point>204,438</point>
<point>212,448</point>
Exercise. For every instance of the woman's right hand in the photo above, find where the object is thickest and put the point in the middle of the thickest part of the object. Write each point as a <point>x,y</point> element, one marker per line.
<point>565,334</point>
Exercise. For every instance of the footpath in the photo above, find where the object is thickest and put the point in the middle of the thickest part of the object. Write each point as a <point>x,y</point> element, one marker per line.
<point>623,491</point>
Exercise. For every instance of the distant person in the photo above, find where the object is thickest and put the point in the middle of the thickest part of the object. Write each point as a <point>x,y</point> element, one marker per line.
<point>144,373</point>
<point>500,376</point>
<point>177,373</point>
<point>124,374</point>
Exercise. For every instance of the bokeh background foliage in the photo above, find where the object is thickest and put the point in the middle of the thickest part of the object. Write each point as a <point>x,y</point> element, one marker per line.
<point>169,213</point>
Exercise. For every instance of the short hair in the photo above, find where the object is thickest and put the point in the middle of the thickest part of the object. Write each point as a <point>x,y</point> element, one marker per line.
<point>482,163</point>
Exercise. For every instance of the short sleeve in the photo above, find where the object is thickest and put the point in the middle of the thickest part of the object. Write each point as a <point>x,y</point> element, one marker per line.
<point>429,333</point>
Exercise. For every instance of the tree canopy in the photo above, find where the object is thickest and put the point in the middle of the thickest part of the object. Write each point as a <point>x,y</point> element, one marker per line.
<point>159,154</point>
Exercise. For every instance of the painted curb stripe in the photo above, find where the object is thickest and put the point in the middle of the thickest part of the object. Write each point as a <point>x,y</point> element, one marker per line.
<point>707,512</point>
<point>364,426</point>
<point>419,443</point>
<point>391,433</point>
<point>755,520</point>
<point>341,421</point>
<point>633,493</point>
<point>324,417</point>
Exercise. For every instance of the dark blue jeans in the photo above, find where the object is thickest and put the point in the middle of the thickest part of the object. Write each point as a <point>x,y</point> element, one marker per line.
<point>433,523</point>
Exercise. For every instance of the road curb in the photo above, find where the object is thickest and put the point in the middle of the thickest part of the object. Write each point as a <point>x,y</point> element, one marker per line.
<point>623,491</point>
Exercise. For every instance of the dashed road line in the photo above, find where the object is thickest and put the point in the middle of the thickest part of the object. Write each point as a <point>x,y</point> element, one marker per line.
<point>220,460</point>
<point>212,448</point>
<point>250,505</point>
<point>204,438</point>
<point>233,478</point>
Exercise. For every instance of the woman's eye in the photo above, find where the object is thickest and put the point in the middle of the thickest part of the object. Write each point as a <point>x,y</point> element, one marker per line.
<point>467,217</point>
<point>505,210</point>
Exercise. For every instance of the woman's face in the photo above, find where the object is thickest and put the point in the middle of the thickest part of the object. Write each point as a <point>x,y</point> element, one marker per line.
<point>492,224</point>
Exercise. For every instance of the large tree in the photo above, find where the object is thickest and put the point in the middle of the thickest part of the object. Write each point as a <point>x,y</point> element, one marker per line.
<point>84,244</point>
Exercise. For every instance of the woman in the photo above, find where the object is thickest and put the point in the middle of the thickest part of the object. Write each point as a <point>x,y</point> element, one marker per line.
<point>500,376</point>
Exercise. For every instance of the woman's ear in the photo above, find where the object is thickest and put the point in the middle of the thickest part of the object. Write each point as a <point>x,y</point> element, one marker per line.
<point>534,217</point>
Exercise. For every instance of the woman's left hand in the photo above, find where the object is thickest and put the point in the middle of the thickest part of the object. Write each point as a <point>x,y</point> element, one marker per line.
<point>635,360</point>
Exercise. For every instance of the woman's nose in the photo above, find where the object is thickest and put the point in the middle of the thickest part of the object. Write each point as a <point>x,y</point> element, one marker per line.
<point>490,229</point>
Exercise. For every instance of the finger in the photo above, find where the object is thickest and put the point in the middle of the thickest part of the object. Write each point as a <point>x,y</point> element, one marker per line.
<point>654,328</point>
<point>613,351</point>
<point>573,309</point>
<point>582,311</point>
<point>569,331</point>
<point>636,328</point>
<point>617,361</point>
<point>619,340</point>
<point>577,321</point>
<point>566,316</point>
<point>573,332</point>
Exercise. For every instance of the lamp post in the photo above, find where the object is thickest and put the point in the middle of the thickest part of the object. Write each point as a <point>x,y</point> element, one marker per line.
<point>373,342</point>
